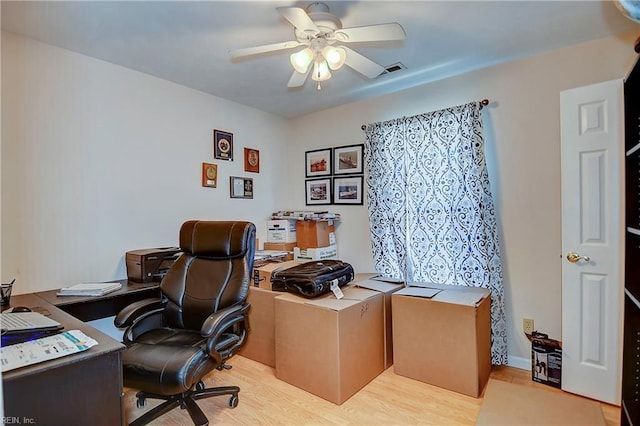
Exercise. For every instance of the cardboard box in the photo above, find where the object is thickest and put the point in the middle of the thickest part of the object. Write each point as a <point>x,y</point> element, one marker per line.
<point>387,289</point>
<point>361,276</point>
<point>310,254</point>
<point>262,274</point>
<point>331,348</point>
<point>260,345</point>
<point>442,336</point>
<point>546,360</point>
<point>281,231</point>
<point>315,233</point>
<point>281,247</point>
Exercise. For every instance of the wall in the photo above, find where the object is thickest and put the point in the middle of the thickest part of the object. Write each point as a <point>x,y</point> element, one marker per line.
<point>522,136</point>
<point>98,159</point>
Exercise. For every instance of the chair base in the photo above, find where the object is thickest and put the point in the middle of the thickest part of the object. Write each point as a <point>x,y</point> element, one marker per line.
<point>186,401</point>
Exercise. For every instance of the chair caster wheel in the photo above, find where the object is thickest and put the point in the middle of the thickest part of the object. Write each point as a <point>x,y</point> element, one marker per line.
<point>233,401</point>
<point>141,402</point>
<point>200,385</point>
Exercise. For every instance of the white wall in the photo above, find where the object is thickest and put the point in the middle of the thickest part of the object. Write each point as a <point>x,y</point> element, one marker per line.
<point>522,136</point>
<point>98,159</point>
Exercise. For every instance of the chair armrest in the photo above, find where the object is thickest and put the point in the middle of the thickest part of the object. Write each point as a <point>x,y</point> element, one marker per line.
<point>226,331</point>
<point>129,314</point>
<point>219,321</point>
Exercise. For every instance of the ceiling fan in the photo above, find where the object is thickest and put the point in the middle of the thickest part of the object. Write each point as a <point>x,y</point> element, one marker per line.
<point>321,35</point>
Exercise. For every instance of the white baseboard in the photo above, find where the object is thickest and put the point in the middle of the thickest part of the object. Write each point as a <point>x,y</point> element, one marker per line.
<point>518,362</point>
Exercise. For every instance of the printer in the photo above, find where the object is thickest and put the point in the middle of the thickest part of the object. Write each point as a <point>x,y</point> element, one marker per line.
<point>146,265</point>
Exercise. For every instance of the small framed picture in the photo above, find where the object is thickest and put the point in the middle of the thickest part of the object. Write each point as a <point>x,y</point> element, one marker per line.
<point>347,159</point>
<point>347,190</point>
<point>222,145</point>
<point>318,191</point>
<point>241,187</point>
<point>251,160</point>
<point>209,175</point>
<point>318,162</point>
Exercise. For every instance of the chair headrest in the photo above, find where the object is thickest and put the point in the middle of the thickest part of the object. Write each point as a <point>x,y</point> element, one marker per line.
<point>216,239</point>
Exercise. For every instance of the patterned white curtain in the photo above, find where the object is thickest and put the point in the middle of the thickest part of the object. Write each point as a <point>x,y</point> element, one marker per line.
<point>431,212</point>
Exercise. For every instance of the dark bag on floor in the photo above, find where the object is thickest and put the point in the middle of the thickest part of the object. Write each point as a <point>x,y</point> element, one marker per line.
<point>312,279</point>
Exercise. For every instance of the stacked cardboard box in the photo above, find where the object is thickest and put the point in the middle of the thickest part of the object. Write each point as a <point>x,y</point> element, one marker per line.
<point>332,347</point>
<point>337,357</point>
<point>262,273</point>
<point>386,288</point>
<point>260,345</point>
<point>316,240</point>
<point>327,346</point>
<point>307,235</point>
<point>281,231</point>
<point>281,236</point>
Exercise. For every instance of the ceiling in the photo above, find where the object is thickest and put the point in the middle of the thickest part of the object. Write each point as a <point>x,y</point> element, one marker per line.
<point>188,42</point>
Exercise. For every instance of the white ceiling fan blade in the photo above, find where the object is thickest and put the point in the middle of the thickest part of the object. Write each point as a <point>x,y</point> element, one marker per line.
<point>297,78</point>
<point>250,51</point>
<point>299,19</point>
<point>362,64</point>
<point>381,32</point>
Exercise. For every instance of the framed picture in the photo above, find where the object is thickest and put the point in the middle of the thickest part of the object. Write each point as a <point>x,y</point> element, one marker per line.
<point>209,175</point>
<point>318,162</point>
<point>347,190</point>
<point>347,159</point>
<point>222,145</point>
<point>251,160</point>
<point>241,187</point>
<point>318,191</point>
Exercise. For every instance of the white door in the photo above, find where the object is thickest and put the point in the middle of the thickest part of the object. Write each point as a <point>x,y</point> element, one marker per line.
<point>592,121</point>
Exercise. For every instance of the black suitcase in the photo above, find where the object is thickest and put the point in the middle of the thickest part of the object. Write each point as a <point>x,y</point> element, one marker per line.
<point>312,279</point>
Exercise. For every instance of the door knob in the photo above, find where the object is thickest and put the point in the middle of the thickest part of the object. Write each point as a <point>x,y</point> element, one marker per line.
<point>574,257</point>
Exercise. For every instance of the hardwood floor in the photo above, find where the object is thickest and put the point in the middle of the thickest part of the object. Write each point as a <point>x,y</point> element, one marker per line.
<point>388,400</point>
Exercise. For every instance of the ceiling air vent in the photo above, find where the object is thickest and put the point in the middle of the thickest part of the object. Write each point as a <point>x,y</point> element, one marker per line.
<point>394,67</point>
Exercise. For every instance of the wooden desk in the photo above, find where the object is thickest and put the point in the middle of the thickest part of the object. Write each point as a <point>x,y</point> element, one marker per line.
<point>92,308</point>
<point>84,388</point>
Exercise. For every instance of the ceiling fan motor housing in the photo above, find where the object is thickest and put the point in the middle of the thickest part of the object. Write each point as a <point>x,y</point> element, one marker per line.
<point>326,22</point>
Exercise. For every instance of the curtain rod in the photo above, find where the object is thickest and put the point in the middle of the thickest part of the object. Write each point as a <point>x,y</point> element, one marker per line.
<point>483,103</point>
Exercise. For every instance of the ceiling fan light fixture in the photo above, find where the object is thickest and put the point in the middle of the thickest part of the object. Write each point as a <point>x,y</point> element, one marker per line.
<point>301,60</point>
<point>320,71</point>
<point>316,31</point>
<point>335,56</point>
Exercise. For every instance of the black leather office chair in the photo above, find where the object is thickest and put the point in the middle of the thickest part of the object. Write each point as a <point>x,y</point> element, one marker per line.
<point>200,322</point>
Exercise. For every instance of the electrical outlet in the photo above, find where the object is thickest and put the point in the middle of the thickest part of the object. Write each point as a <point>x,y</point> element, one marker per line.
<point>527,325</point>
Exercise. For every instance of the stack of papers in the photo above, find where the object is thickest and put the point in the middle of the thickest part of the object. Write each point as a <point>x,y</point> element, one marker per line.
<point>46,348</point>
<point>269,254</point>
<point>305,215</point>
<point>90,289</point>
